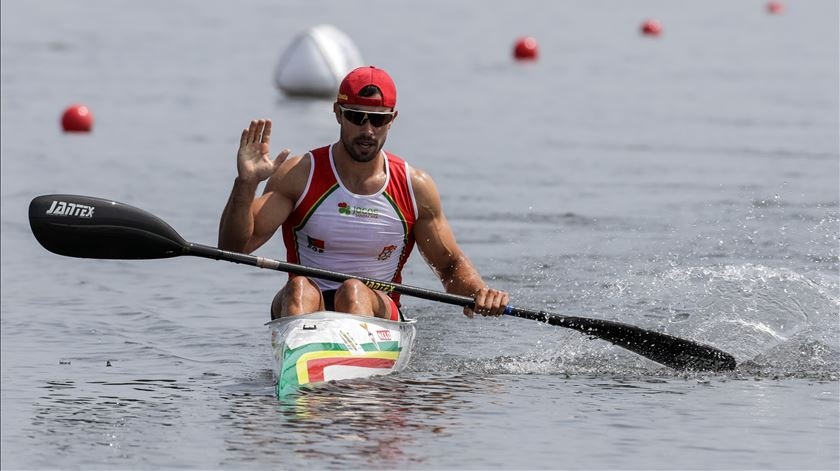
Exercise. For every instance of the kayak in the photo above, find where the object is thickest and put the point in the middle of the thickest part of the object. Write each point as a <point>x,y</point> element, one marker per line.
<point>332,346</point>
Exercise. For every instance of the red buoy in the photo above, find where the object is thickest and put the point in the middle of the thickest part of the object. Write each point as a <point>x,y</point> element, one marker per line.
<point>775,7</point>
<point>525,49</point>
<point>652,28</point>
<point>77,118</point>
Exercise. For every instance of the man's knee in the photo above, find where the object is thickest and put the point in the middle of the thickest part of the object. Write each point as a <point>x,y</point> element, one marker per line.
<point>352,296</point>
<point>300,295</point>
<point>355,297</point>
<point>350,290</point>
<point>298,287</point>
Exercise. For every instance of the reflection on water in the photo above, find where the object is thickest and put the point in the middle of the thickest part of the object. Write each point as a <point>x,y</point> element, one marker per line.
<point>102,421</point>
<point>63,406</point>
<point>380,422</point>
<point>363,423</point>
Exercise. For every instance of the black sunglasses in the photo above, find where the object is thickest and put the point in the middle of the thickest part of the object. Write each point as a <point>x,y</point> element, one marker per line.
<point>359,117</point>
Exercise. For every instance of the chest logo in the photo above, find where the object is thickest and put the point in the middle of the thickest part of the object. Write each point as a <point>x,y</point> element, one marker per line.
<point>386,253</point>
<point>357,211</point>
<point>315,244</point>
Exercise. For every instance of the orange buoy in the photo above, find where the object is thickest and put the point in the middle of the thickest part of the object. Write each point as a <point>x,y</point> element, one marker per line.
<point>77,118</point>
<point>525,48</point>
<point>775,7</point>
<point>652,28</point>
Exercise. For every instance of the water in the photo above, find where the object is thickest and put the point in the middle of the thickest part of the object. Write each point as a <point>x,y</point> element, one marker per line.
<point>686,184</point>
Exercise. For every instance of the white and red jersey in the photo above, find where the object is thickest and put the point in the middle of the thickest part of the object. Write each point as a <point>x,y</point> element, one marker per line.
<point>365,235</point>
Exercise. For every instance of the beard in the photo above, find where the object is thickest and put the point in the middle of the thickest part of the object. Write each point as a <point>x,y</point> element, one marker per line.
<point>362,149</point>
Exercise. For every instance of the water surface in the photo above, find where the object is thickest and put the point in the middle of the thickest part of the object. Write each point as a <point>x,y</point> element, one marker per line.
<point>686,184</point>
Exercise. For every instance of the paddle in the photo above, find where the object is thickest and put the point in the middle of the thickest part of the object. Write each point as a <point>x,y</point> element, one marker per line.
<point>89,227</point>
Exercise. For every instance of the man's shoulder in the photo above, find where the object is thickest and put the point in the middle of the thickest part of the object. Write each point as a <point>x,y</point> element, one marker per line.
<point>418,175</point>
<point>424,188</point>
<point>290,177</point>
<point>296,163</point>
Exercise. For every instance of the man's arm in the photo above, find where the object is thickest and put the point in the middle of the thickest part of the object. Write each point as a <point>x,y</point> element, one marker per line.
<point>437,244</point>
<point>248,222</point>
<point>237,223</point>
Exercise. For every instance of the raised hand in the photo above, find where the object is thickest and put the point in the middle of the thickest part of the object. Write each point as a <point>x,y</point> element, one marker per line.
<point>253,161</point>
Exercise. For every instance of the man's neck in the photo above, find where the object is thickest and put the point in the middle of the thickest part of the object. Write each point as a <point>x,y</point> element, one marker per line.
<point>362,178</point>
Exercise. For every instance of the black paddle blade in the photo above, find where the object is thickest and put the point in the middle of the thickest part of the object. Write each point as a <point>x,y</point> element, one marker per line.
<point>664,349</point>
<point>89,227</point>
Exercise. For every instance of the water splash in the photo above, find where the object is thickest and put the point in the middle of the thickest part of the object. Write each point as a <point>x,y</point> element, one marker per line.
<point>776,321</point>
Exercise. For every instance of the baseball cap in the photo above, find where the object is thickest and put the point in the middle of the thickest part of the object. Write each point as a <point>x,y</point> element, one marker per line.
<point>357,79</point>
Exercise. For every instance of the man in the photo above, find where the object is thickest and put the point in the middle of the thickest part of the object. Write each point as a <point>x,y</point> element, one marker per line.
<point>349,207</point>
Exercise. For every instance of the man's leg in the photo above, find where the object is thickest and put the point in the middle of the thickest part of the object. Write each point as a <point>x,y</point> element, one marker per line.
<point>353,297</point>
<point>300,295</point>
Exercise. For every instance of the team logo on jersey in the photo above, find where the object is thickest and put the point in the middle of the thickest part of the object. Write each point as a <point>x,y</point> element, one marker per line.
<point>315,244</point>
<point>386,253</point>
<point>346,210</point>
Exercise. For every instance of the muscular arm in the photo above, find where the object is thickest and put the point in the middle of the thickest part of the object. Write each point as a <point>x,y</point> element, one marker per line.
<point>247,221</point>
<point>436,242</point>
<point>237,223</point>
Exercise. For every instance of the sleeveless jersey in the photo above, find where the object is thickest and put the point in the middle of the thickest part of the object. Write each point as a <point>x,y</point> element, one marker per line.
<point>364,235</point>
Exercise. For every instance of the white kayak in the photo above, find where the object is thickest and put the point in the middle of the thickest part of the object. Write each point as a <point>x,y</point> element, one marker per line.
<point>330,346</point>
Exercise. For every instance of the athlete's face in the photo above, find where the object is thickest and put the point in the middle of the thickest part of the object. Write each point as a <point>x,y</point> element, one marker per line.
<point>364,129</point>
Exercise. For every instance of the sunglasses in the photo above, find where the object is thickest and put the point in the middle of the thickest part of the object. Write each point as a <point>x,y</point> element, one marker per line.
<point>359,118</point>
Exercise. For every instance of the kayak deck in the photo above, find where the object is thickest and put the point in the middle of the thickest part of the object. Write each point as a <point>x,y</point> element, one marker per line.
<point>330,346</point>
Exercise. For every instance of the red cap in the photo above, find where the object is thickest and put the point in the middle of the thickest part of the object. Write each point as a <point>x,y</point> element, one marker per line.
<point>355,81</point>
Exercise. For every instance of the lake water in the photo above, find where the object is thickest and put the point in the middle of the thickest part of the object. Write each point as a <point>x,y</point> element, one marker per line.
<point>686,184</point>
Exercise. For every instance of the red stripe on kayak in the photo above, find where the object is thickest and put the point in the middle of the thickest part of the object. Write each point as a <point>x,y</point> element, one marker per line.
<point>316,367</point>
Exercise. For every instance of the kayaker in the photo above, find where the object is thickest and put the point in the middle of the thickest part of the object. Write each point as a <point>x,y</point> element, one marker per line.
<point>350,207</point>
